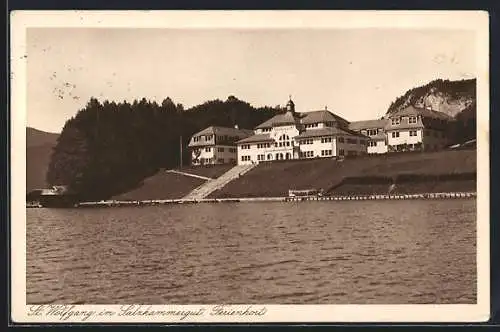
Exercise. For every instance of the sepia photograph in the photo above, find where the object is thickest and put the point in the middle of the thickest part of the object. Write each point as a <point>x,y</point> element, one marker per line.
<point>230,166</point>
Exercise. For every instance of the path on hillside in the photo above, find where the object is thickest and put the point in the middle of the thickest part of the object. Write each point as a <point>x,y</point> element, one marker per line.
<point>214,184</point>
<point>189,174</point>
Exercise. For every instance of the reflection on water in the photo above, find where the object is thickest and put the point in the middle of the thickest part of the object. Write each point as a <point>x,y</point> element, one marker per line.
<point>386,252</point>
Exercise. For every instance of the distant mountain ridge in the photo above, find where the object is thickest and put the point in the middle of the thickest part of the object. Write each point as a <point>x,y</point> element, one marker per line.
<point>450,97</point>
<point>35,137</point>
<point>39,146</point>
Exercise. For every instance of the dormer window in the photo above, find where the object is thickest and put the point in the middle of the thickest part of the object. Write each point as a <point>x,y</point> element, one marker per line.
<point>395,121</point>
<point>412,119</point>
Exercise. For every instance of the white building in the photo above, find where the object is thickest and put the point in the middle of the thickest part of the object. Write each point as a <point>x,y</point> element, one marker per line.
<point>375,130</point>
<point>292,135</point>
<point>216,145</point>
<point>415,128</point>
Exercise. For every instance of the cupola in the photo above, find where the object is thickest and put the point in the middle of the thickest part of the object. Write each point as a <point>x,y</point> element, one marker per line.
<point>290,106</point>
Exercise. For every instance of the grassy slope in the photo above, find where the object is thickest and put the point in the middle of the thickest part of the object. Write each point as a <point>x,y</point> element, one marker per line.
<point>275,179</point>
<point>39,145</point>
<point>162,185</point>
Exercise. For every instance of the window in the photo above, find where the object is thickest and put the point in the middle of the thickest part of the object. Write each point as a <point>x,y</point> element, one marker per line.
<point>245,158</point>
<point>372,132</point>
<point>413,133</point>
<point>412,119</point>
<point>312,125</point>
<point>372,143</point>
<point>341,152</point>
<point>245,147</point>
<point>395,134</point>
<point>326,140</point>
<point>395,121</point>
<point>260,157</point>
<point>362,142</point>
<point>196,139</point>
<point>209,137</point>
<point>326,153</point>
<point>269,156</point>
<point>284,137</point>
<point>208,149</point>
<point>306,141</point>
<point>220,149</point>
<point>340,139</point>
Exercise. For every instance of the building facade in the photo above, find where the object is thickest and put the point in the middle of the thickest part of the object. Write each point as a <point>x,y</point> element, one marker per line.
<point>293,135</point>
<point>417,128</point>
<point>375,130</point>
<point>216,145</point>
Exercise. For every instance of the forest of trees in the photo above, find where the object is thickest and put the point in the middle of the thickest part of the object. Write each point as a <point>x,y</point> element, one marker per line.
<point>109,147</point>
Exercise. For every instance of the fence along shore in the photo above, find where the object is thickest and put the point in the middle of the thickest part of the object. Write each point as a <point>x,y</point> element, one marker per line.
<point>113,203</point>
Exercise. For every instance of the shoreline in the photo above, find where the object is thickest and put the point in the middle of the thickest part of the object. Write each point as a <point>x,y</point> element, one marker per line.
<point>426,196</point>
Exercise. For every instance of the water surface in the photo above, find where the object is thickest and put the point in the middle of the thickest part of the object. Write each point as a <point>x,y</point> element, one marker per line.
<point>376,252</point>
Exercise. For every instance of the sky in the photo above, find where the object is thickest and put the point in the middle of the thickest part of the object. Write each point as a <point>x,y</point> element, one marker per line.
<point>355,73</point>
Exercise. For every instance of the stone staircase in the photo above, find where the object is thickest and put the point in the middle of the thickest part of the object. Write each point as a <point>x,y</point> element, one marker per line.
<point>214,184</point>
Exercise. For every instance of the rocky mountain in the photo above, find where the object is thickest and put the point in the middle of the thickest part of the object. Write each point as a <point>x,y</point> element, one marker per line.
<point>450,97</point>
<point>455,98</point>
<point>39,145</point>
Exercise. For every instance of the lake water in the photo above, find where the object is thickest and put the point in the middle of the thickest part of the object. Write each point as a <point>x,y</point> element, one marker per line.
<point>385,252</point>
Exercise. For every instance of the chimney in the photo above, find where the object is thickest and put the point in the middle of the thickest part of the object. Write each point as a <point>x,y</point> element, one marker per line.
<point>236,126</point>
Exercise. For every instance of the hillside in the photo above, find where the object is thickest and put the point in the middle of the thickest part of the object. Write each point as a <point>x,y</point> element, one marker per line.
<point>35,137</point>
<point>275,179</point>
<point>39,145</point>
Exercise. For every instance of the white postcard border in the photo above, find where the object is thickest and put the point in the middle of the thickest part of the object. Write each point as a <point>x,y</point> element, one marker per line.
<point>460,20</point>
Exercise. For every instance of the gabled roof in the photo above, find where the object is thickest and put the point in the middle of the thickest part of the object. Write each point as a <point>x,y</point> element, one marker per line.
<point>230,131</point>
<point>328,131</point>
<point>322,116</point>
<point>367,124</point>
<point>287,118</point>
<point>218,131</point>
<point>413,110</point>
<point>256,138</point>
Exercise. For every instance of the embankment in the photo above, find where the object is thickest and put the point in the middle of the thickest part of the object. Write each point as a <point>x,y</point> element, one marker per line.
<point>405,173</point>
